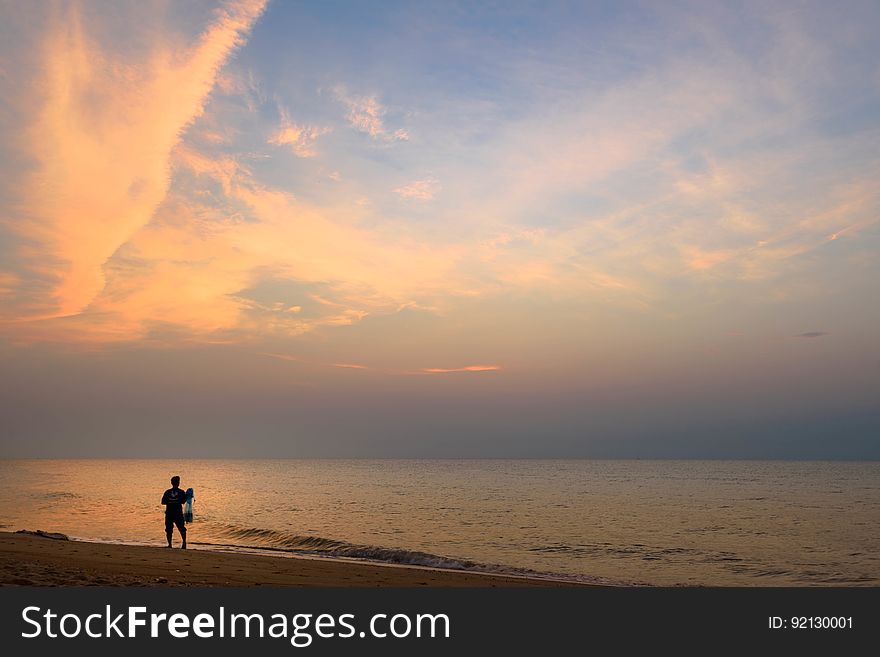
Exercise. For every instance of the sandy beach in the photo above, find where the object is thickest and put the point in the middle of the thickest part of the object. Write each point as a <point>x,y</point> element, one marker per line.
<point>27,560</point>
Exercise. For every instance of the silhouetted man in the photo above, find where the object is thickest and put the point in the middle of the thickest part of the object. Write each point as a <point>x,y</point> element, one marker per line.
<point>174,499</point>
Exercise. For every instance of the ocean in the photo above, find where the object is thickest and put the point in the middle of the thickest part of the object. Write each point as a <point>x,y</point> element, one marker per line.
<point>635,522</point>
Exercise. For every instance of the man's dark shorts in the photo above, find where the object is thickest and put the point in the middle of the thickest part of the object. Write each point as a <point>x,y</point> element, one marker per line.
<point>170,521</point>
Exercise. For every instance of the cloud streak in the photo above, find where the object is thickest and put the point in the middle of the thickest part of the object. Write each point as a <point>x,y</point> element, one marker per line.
<point>101,138</point>
<point>466,368</point>
<point>419,190</point>
<point>366,114</point>
<point>301,139</point>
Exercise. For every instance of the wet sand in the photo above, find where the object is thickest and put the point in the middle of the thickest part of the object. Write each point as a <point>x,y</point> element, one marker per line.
<point>28,560</point>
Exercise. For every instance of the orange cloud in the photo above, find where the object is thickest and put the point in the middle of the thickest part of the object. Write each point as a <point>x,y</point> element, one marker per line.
<point>102,139</point>
<point>467,368</point>
<point>366,114</point>
<point>282,357</point>
<point>703,259</point>
<point>301,139</point>
<point>191,266</point>
<point>296,359</point>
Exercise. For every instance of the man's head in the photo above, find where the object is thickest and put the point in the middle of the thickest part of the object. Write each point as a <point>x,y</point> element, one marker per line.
<point>175,481</point>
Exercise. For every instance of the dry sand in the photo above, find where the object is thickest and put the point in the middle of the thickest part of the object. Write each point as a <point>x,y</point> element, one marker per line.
<point>29,560</point>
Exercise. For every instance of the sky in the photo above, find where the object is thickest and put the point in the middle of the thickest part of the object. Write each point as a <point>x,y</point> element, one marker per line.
<point>439,229</point>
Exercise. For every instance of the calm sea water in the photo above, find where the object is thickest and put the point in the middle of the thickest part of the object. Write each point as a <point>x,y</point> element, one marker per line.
<point>629,522</point>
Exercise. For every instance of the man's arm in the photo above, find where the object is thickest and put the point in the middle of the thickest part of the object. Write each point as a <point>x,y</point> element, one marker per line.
<point>164,498</point>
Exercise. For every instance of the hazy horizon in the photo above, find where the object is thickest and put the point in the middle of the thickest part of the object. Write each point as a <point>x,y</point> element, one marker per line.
<point>432,230</point>
<point>436,458</point>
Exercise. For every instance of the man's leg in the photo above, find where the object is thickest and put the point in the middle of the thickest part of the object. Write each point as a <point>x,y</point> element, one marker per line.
<point>181,527</point>
<point>169,528</point>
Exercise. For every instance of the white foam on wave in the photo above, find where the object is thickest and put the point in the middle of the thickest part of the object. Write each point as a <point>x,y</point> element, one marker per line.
<point>269,540</point>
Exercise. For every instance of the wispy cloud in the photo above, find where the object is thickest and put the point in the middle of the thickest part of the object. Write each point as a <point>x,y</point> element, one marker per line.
<point>300,138</point>
<point>101,140</point>
<point>306,361</point>
<point>287,357</point>
<point>419,190</point>
<point>812,334</point>
<point>192,265</point>
<point>467,368</point>
<point>366,114</point>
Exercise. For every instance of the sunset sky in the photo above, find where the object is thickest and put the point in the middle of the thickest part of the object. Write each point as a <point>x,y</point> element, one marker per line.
<point>379,229</point>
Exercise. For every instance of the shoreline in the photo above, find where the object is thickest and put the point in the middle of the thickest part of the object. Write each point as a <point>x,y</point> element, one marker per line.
<point>32,560</point>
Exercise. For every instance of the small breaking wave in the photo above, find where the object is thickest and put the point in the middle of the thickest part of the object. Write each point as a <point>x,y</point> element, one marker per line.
<point>44,534</point>
<point>279,541</point>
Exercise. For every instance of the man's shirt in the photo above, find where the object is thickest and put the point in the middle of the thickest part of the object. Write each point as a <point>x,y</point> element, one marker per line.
<point>174,499</point>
